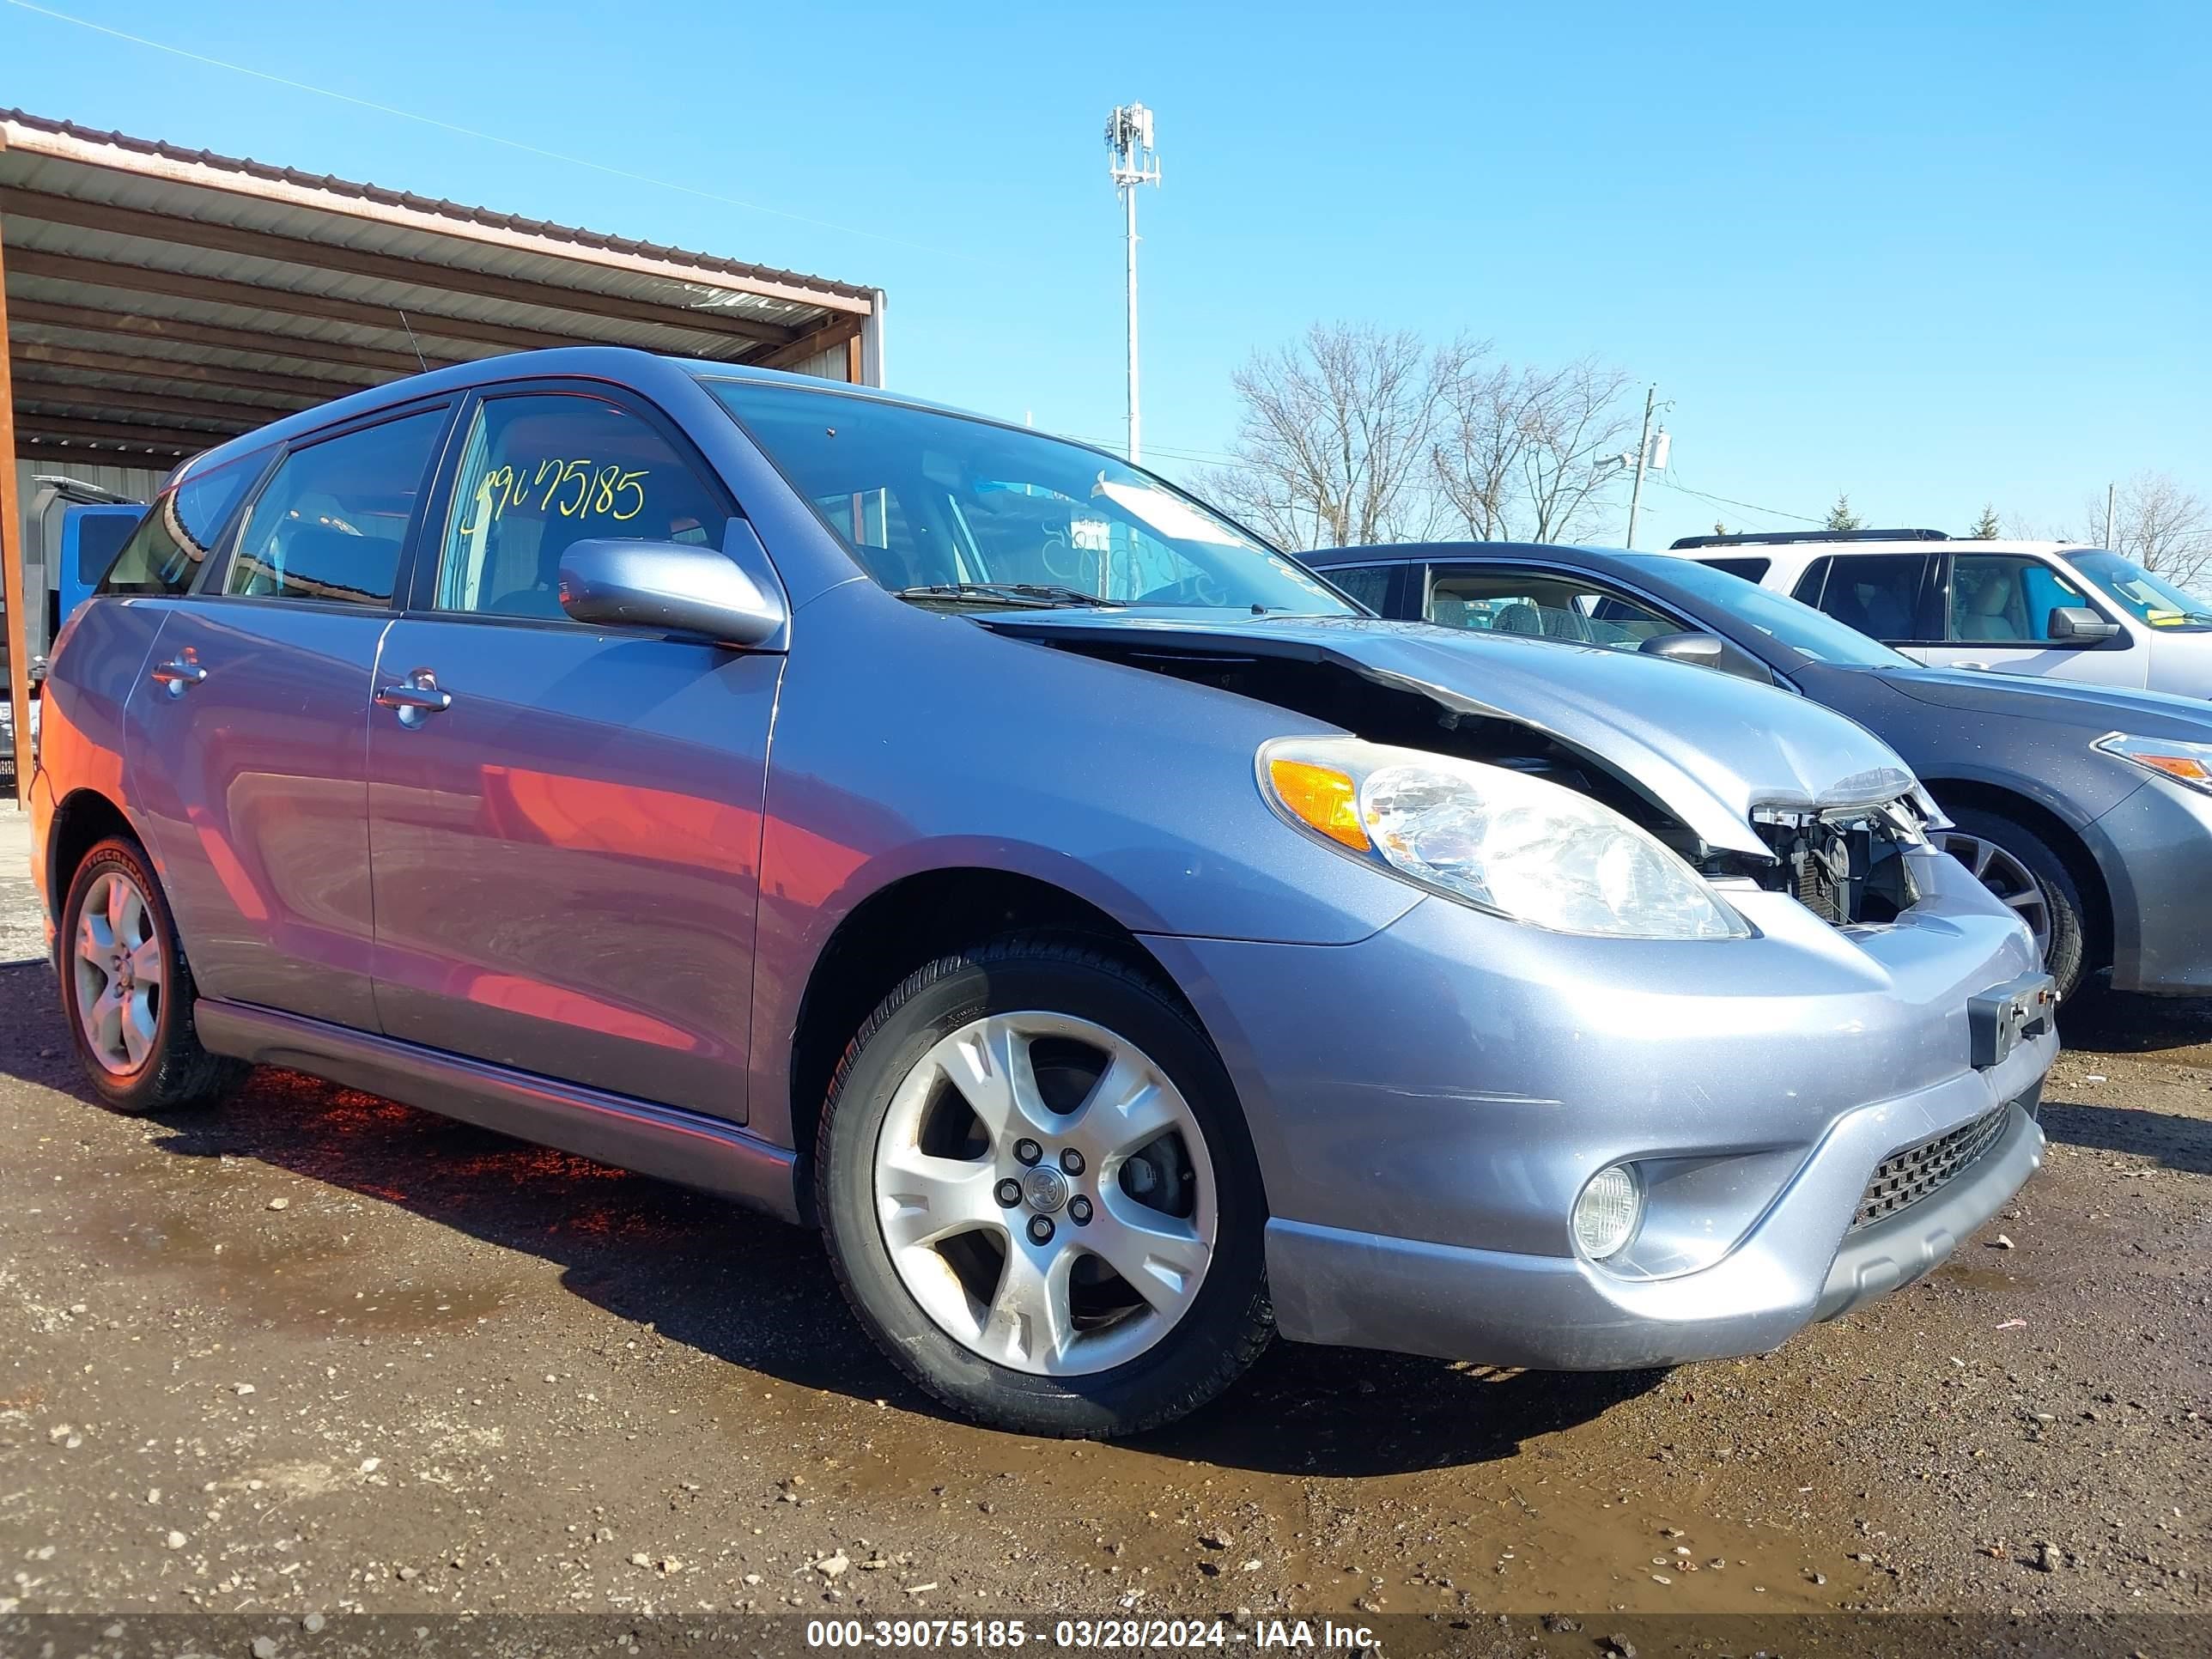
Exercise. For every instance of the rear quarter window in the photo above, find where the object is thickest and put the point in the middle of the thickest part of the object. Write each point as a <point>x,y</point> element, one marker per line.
<point>173,541</point>
<point>1751,570</point>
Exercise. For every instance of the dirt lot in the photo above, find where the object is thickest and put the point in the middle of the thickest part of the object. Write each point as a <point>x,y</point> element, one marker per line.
<point>317,1352</point>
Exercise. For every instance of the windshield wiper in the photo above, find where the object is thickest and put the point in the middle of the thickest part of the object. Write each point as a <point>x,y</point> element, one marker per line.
<point>1034,596</point>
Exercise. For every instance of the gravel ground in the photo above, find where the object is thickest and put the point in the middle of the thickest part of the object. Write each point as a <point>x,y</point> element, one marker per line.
<point>317,1352</point>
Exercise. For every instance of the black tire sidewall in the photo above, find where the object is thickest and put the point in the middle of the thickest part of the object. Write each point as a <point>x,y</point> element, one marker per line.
<point>1228,1322</point>
<point>2066,959</point>
<point>140,1091</point>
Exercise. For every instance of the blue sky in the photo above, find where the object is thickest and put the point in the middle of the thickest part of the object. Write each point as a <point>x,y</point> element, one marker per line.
<point>1932,255</point>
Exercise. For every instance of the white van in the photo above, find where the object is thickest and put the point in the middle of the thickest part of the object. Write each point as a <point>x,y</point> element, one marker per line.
<point>2056,609</point>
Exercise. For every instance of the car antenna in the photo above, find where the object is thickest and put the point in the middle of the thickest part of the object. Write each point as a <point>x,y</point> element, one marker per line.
<point>421,362</point>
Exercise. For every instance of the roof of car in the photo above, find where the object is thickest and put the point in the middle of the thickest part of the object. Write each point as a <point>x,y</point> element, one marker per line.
<point>1697,547</point>
<point>1322,558</point>
<point>617,365</point>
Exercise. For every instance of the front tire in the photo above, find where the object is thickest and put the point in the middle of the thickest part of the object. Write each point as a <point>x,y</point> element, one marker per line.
<point>127,990</point>
<point>2020,868</point>
<point>1039,1195</point>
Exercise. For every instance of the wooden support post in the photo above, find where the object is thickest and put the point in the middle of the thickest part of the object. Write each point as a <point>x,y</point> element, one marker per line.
<point>13,577</point>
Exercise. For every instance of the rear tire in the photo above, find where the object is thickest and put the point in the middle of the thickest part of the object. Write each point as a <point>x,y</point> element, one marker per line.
<point>1106,1082</point>
<point>2007,858</point>
<point>127,990</point>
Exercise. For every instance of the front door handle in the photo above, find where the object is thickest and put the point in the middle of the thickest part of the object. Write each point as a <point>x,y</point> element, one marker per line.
<point>416,698</point>
<point>179,675</point>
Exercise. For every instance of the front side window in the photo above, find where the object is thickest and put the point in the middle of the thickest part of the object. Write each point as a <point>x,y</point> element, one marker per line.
<point>171,543</point>
<point>2006,600</point>
<point>1545,604</point>
<point>543,470</point>
<point>332,522</point>
<point>2150,598</point>
<point>945,508</point>
<point>1879,594</point>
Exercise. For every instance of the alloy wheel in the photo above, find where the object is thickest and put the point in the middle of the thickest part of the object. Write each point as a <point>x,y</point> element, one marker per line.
<point>120,965</point>
<point>2005,876</point>
<point>1045,1193</point>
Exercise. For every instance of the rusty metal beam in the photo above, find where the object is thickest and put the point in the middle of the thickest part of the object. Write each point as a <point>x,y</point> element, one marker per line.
<point>833,333</point>
<point>13,577</point>
<point>251,296</point>
<point>383,267</point>
<point>87,319</point>
<point>106,400</point>
<point>167,440</point>
<point>169,368</point>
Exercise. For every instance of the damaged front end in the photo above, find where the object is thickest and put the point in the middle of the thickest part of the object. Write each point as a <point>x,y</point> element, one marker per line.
<point>1741,781</point>
<point>1848,865</point>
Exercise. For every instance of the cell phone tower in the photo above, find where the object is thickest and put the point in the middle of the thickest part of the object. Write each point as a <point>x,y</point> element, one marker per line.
<point>1129,135</point>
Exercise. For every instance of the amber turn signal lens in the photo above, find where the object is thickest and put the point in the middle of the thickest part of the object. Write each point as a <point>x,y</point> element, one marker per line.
<point>1322,797</point>
<point>2184,767</point>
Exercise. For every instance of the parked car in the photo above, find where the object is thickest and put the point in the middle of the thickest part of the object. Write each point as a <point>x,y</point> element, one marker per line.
<point>1119,944</point>
<point>2086,808</point>
<point>2051,609</point>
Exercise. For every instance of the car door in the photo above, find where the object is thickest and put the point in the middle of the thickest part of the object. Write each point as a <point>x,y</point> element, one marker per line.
<point>247,731</point>
<point>1998,609</point>
<point>565,821</point>
<point>1894,597</point>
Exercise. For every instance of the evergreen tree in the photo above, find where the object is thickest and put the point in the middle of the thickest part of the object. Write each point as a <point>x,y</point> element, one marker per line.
<point>1840,516</point>
<point>1986,528</point>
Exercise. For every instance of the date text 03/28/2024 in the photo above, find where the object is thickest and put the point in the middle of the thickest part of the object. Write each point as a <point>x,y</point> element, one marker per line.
<point>1084,1633</point>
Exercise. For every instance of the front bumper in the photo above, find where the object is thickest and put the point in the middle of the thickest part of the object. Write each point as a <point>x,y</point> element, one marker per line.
<point>1426,1105</point>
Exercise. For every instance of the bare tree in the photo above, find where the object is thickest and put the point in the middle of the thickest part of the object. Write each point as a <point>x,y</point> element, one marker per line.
<point>2161,525</point>
<point>1333,447</point>
<point>1516,456</point>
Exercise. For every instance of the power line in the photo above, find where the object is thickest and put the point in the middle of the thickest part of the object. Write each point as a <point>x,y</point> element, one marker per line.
<point>472,133</point>
<point>1749,507</point>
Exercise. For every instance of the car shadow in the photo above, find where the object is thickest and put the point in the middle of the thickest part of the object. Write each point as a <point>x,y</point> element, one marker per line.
<point>2119,1023</point>
<point>2176,1142</point>
<point>758,1293</point>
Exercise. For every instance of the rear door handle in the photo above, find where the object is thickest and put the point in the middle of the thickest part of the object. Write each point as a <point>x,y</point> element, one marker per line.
<point>179,674</point>
<point>416,698</point>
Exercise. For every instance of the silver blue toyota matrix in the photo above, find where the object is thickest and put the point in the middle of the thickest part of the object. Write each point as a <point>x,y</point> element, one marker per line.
<point>1119,944</point>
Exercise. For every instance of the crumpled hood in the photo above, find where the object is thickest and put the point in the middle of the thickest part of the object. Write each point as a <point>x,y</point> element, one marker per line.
<point>1706,745</point>
<point>2069,703</point>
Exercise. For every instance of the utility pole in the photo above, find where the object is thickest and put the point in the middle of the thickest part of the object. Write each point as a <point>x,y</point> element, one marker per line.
<point>2109,490</point>
<point>1129,135</point>
<point>1642,456</point>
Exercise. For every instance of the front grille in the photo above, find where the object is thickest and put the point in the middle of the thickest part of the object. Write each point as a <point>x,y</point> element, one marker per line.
<point>1917,1172</point>
<point>1845,867</point>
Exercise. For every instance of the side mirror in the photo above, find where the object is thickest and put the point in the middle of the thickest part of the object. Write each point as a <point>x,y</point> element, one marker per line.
<point>1707,651</point>
<point>2077,624</point>
<point>727,594</point>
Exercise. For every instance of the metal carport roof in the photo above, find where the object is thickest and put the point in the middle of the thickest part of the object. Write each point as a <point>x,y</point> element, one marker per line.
<point>157,299</point>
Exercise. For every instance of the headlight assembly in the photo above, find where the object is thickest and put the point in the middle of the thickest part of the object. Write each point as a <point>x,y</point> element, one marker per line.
<point>1498,840</point>
<point>2184,762</point>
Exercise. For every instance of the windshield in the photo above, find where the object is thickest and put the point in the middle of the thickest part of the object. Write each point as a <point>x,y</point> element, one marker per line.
<point>2152,599</point>
<point>1810,633</point>
<point>946,508</point>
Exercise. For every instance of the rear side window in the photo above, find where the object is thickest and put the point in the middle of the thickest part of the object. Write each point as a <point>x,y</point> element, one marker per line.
<point>332,522</point>
<point>1751,570</point>
<point>1886,596</point>
<point>1807,591</point>
<point>1369,584</point>
<point>173,539</point>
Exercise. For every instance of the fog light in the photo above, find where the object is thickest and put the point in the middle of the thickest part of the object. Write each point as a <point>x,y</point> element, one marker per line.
<point>1607,1212</point>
